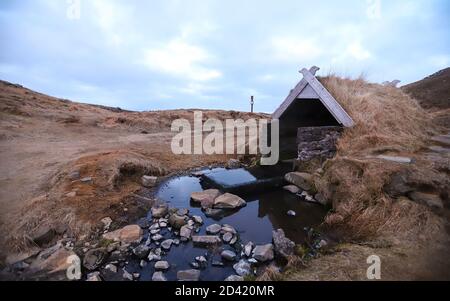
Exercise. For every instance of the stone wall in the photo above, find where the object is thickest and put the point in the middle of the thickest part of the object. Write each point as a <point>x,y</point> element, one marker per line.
<point>317,142</point>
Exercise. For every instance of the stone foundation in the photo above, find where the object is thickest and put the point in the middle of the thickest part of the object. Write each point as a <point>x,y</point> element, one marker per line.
<point>317,142</point>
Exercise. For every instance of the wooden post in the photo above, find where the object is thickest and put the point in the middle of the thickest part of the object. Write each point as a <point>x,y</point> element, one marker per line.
<point>252,102</point>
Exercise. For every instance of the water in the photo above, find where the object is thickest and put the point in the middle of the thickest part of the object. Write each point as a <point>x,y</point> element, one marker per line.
<point>265,211</point>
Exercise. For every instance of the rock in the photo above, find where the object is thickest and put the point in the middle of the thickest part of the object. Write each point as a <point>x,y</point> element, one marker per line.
<point>167,244</point>
<point>144,223</point>
<point>136,275</point>
<point>228,228</point>
<point>74,175</point>
<point>149,181</point>
<point>95,276</point>
<point>205,198</point>
<point>429,199</point>
<point>71,194</point>
<point>206,240</point>
<point>86,180</point>
<point>321,244</point>
<point>321,199</point>
<point>188,275</point>
<point>403,160</point>
<point>242,268</point>
<point>292,189</point>
<point>143,263</point>
<point>229,201</point>
<point>186,232</point>
<point>127,276</point>
<point>183,212</point>
<point>233,164</point>
<point>201,260</point>
<point>213,229</point>
<point>177,221</point>
<point>233,240</point>
<point>158,276</point>
<point>43,235</point>
<point>234,278</point>
<point>160,210</point>
<point>141,251</point>
<point>57,264</point>
<point>153,257</point>
<point>195,265</point>
<point>157,237</point>
<point>197,219</point>
<point>227,237</point>
<point>176,242</point>
<point>217,263</point>
<point>162,265</point>
<point>248,248</point>
<point>214,213</point>
<point>282,245</point>
<point>263,253</point>
<point>128,234</point>
<point>300,179</point>
<point>228,255</point>
<point>291,213</point>
<point>94,258</point>
<point>106,221</point>
<point>111,267</point>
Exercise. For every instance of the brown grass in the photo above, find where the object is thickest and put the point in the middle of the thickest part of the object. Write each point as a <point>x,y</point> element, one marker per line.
<point>387,121</point>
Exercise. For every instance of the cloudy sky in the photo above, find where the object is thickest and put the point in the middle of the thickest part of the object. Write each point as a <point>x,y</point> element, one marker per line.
<point>165,54</point>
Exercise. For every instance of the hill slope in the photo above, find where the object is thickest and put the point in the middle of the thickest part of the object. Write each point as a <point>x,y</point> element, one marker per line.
<point>432,92</point>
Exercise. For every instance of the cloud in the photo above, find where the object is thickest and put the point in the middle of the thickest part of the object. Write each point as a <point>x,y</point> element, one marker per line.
<point>357,51</point>
<point>294,49</point>
<point>179,58</point>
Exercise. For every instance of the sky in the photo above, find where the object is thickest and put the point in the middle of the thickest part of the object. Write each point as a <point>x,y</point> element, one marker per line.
<point>213,54</point>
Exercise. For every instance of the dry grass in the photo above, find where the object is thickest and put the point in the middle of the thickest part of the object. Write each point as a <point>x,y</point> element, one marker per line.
<point>387,121</point>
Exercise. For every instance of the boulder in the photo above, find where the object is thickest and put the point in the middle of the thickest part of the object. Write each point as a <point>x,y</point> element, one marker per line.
<point>205,198</point>
<point>229,201</point>
<point>177,221</point>
<point>186,231</point>
<point>159,211</point>
<point>291,213</point>
<point>162,265</point>
<point>429,199</point>
<point>128,234</point>
<point>248,248</point>
<point>227,237</point>
<point>149,181</point>
<point>234,278</point>
<point>94,258</point>
<point>106,221</point>
<point>213,229</point>
<point>141,251</point>
<point>227,228</point>
<point>242,268</point>
<point>322,199</point>
<point>158,276</point>
<point>197,219</point>
<point>233,164</point>
<point>57,264</point>
<point>167,244</point>
<point>263,253</point>
<point>43,235</point>
<point>283,245</point>
<point>188,275</point>
<point>228,255</point>
<point>292,189</point>
<point>300,179</point>
<point>95,277</point>
<point>214,213</point>
<point>206,240</point>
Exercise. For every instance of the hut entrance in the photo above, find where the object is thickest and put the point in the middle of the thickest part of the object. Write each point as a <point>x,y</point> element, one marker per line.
<point>310,120</point>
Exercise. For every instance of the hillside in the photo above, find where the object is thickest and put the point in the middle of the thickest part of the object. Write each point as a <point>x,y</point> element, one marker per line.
<point>48,144</point>
<point>432,92</point>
